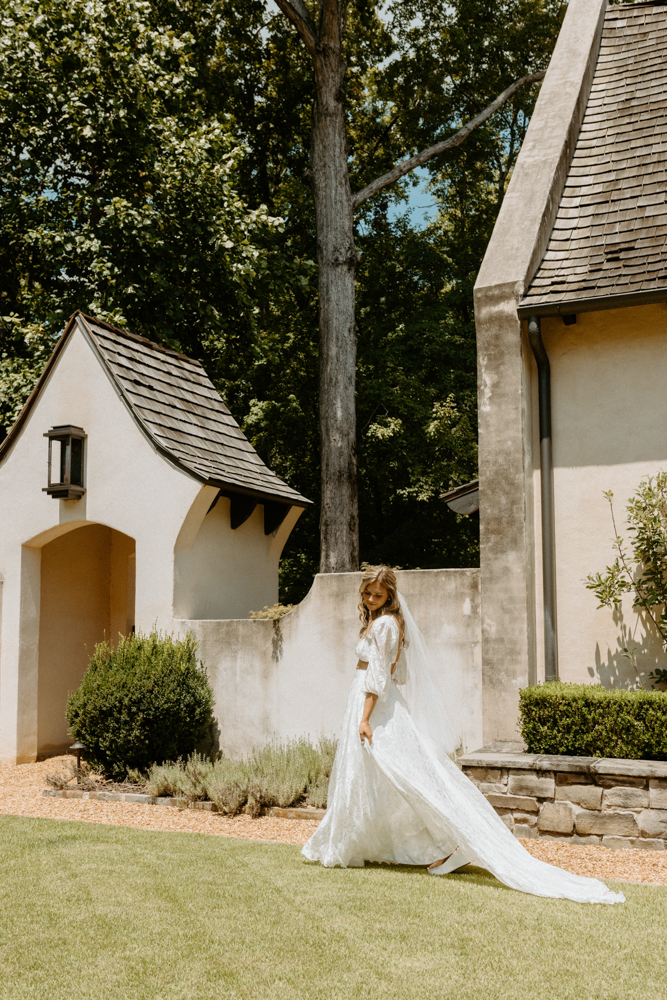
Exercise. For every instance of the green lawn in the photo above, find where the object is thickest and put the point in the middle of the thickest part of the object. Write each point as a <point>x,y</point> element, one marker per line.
<point>91,911</point>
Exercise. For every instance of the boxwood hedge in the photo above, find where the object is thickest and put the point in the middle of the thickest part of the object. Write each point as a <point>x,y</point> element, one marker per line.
<point>585,720</point>
<point>146,701</point>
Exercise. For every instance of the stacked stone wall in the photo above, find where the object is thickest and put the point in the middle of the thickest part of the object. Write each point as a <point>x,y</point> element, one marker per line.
<point>616,803</point>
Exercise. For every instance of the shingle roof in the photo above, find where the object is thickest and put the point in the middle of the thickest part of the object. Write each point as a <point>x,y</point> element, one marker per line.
<point>176,405</point>
<point>610,234</point>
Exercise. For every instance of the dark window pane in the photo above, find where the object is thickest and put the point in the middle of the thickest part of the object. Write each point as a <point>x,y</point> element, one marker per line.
<point>76,474</point>
<point>63,459</point>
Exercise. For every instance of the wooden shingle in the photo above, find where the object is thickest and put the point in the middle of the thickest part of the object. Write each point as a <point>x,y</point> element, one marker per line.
<point>609,239</point>
<point>177,406</point>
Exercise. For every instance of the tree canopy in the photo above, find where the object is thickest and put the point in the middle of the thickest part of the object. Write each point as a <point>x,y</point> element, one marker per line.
<point>148,151</point>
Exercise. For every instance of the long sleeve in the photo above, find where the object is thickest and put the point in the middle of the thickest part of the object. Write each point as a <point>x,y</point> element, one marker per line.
<point>384,636</point>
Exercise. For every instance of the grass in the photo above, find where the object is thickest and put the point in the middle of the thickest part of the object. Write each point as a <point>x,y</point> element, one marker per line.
<point>92,912</point>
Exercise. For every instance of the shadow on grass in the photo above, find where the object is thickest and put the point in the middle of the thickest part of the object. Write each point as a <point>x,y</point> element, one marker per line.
<point>469,874</point>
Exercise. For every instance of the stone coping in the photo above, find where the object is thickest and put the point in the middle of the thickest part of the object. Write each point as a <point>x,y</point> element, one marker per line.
<point>509,755</point>
<point>278,812</point>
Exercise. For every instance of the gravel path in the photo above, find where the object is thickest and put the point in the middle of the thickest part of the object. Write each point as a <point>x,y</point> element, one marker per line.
<point>21,790</point>
<point>21,795</point>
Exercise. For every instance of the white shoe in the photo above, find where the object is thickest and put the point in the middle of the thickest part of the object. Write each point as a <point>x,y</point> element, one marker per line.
<point>457,860</point>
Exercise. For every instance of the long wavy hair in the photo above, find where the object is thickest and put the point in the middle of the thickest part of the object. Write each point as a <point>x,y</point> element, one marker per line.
<point>386,576</point>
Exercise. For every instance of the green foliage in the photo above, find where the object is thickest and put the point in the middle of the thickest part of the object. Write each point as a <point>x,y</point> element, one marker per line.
<point>416,400</point>
<point>280,774</point>
<point>283,773</point>
<point>642,571</point>
<point>116,189</point>
<point>148,700</point>
<point>139,138</point>
<point>585,720</point>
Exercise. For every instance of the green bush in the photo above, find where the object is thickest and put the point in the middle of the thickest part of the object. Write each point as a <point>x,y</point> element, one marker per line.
<point>148,700</point>
<point>585,720</point>
<point>279,774</point>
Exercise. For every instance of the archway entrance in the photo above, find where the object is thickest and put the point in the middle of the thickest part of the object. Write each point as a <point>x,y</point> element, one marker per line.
<point>87,585</point>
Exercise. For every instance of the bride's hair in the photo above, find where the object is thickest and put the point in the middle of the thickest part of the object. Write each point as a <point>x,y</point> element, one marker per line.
<point>386,576</point>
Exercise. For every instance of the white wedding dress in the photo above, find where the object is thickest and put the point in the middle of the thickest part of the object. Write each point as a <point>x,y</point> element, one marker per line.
<point>401,801</point>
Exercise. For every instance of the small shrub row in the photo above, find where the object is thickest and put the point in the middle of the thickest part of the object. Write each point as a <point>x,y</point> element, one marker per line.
<point>276,775</point>
<point>585,720</point>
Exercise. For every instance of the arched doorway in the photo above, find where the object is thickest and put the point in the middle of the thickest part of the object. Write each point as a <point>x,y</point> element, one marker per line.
<point>87,583</point>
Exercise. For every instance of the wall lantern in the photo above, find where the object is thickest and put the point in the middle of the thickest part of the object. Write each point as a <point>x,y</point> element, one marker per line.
<point>66,461</point>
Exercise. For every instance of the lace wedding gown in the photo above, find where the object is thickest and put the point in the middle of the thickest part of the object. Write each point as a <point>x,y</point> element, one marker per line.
<point>399,801</point>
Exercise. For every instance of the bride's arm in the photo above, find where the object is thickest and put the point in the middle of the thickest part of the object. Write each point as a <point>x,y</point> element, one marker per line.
<point>384,646</point>
<point>365,730</point>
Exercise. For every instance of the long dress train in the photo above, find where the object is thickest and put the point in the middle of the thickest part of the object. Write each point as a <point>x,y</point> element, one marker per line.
<point>398,801</point>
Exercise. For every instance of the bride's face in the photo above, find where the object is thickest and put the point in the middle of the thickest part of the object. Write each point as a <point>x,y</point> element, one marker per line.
<point>375,596</point>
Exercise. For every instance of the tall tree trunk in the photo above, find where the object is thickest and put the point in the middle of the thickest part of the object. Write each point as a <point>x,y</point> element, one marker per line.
<point>337,263</point>
<point>335,206</point>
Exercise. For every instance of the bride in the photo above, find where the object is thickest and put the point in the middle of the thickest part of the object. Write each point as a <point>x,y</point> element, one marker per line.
<point>394,795</point>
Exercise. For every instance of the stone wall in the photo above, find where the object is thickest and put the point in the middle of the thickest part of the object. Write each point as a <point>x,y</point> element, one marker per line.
<point>584,800</point>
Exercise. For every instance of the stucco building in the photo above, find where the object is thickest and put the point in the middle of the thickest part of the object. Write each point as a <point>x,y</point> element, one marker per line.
<point>575,278</point>
<point>153,508</point>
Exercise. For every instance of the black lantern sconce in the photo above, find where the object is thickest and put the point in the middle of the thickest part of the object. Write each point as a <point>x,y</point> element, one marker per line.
<point>67,462</point>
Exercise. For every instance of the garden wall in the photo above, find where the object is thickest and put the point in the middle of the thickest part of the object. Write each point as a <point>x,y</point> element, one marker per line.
<point>584,800</point>
<point>291,676</point>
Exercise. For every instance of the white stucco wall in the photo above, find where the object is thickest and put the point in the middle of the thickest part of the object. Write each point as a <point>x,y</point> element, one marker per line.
<point>609,415</point>
<point>225,573</point>
<point>291,677</point>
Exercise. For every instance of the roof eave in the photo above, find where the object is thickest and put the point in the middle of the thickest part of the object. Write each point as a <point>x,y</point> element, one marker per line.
<point>460,491</point>
<point>597,303</point>
<point>261,496</point>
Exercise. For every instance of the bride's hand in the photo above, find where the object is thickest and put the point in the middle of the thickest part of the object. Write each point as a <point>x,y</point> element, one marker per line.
<point>365,732</point>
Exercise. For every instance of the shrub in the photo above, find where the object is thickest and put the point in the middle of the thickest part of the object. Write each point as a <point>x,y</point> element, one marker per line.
<point>283,773</point>
<point>279,774</point>
<point>232,788</point>
<point>273,612</point>
<point>585,720</point>
<point>86,780</point>
<point>148,700</point>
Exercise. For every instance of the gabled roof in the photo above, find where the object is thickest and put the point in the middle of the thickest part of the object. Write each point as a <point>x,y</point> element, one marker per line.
<point>175,404</point>
<point>608,245</point>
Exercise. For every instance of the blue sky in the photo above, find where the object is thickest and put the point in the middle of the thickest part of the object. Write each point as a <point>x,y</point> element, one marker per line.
<point>420,202</point>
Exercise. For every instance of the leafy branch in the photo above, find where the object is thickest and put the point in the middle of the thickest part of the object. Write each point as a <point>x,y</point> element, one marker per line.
<point>643,571</point>
<point>412,162</point>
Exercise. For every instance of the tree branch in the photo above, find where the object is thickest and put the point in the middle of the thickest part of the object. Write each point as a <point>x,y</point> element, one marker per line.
<point>384,135</point>
<point>403,168</point>
<point>300,18</point>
